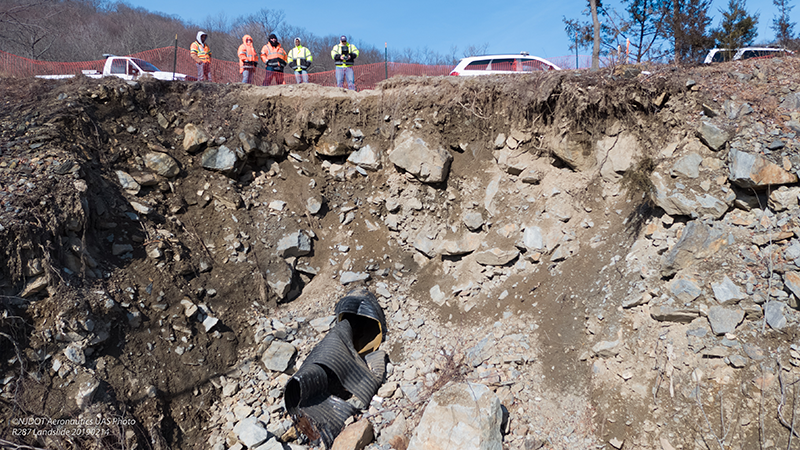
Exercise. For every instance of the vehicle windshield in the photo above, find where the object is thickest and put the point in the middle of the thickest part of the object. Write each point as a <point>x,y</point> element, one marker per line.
<point>144,65</point>
<point>723,56</point>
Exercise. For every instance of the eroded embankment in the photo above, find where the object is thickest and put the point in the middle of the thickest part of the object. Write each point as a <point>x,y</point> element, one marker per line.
<point>155,235</point>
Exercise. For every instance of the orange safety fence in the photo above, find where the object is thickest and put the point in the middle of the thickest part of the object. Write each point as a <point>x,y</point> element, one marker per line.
<point>366,76</point>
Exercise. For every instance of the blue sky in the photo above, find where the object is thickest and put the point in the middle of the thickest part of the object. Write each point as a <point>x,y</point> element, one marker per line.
<point>507,27</point>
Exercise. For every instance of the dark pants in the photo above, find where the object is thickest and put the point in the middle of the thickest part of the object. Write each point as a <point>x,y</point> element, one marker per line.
<point>273,75</point>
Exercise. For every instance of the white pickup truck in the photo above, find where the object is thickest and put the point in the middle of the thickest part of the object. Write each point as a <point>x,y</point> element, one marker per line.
<point>127,68</point>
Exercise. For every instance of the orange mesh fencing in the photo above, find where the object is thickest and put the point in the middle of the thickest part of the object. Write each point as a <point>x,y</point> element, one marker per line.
<point>367,76</point>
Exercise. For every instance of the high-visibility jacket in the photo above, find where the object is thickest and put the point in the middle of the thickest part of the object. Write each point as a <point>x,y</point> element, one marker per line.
<point>342,49</point>
<point>274,57</point>
<point>247,54</point>
<point>202,52</point>
<point>300,58</point>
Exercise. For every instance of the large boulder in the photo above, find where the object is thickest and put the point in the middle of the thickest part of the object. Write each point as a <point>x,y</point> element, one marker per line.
<point>194,138</point>
<point>615,155</point>
<point>223,159</point>
<point>463,416</point>
<point>162,164</point>
<point>414,155</point>
<point>754,171</point>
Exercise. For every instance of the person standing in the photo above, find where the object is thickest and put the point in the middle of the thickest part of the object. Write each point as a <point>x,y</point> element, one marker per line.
<point>274,57</point>
<point>344,55</point>
<point>300,59</point>
<point>201,55</point>
<point>248,58</point>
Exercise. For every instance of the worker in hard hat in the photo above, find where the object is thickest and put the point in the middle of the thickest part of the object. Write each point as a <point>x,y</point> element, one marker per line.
<point>201,55</point>
<point>248,58</point>
<point>300,59</point>
<point>344,55</point>
<point>274,57</point>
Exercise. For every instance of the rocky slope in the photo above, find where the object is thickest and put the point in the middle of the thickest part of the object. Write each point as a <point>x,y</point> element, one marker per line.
<point>610,257</point>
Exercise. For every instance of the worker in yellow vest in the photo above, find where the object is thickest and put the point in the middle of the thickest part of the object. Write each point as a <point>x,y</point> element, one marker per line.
<point>201,55</point>
<point>344,55</point>
<point>300,59</point>
<point>248,58</point>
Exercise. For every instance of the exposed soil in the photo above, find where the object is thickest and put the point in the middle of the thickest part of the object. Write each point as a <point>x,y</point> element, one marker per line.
<point>112,279</point>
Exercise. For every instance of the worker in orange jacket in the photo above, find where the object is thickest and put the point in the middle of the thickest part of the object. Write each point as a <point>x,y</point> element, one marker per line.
<point>201,55</point>
<point>274,57</point>
<point>248,59</point>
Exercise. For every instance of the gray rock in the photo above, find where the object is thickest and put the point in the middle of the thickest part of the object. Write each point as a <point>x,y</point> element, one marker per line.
<point>774,314</point>
<point>74,352</point>
<point>85,387</point>
<point>754,171</point>
<point>791,279</point>
<point>532,238</point>
<point>279,276</point>
<point>249,142</point>
<point>322,324</point>
<point>711,135</point>
<point>366,157</point>
<point>606,349</point>
<point>437,295</point>
<point>272,444</point>
<point>352,277</point>
<point>697,241</point>
<point>425,245</point>
<point>454,247</point>
<point>685,290</point>
<point>194,139</point>
<point>791,102</point>
<point>314,204</point>
<point>792,252</point>
<point>119,249</point>
<point>470,413</point>
<point>724,320</point>
<point>500,141</point>
<point>389,433</point>
<point>415,156</point>
<point>141,208</point>
<point>670,314</point>
<point>677,201</point>
<point>727,291</point>
<point>326,147</point>
<point>688,166</point>
<point>250,432</point>
<point>222,159</point>
<point>783,198</point>
<point>128,183</point>
<point>278,356</point>
<point>473,220</point>
<point>162,164</point>
<point>294,244</point>
<point>615,155</point>
<point>496,257</point>
<point>737,361</point>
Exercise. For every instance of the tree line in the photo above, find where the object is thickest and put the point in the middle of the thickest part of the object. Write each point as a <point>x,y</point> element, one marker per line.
<point>84,30</point>
<point>674,30</point>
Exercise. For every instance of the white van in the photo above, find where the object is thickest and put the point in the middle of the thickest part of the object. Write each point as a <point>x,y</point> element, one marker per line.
<point>725,54</point>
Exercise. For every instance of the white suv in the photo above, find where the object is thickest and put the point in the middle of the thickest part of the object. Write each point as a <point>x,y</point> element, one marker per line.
<point>501,64</point>
<point>723,54</point>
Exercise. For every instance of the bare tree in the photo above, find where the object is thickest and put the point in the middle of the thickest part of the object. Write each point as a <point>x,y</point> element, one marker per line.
<point>781,24</point>
<point>27,28</point>
<point>596,41</point>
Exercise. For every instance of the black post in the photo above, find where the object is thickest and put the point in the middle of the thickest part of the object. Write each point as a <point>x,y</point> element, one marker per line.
<point>175,60</point>
<point>386,59</point>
